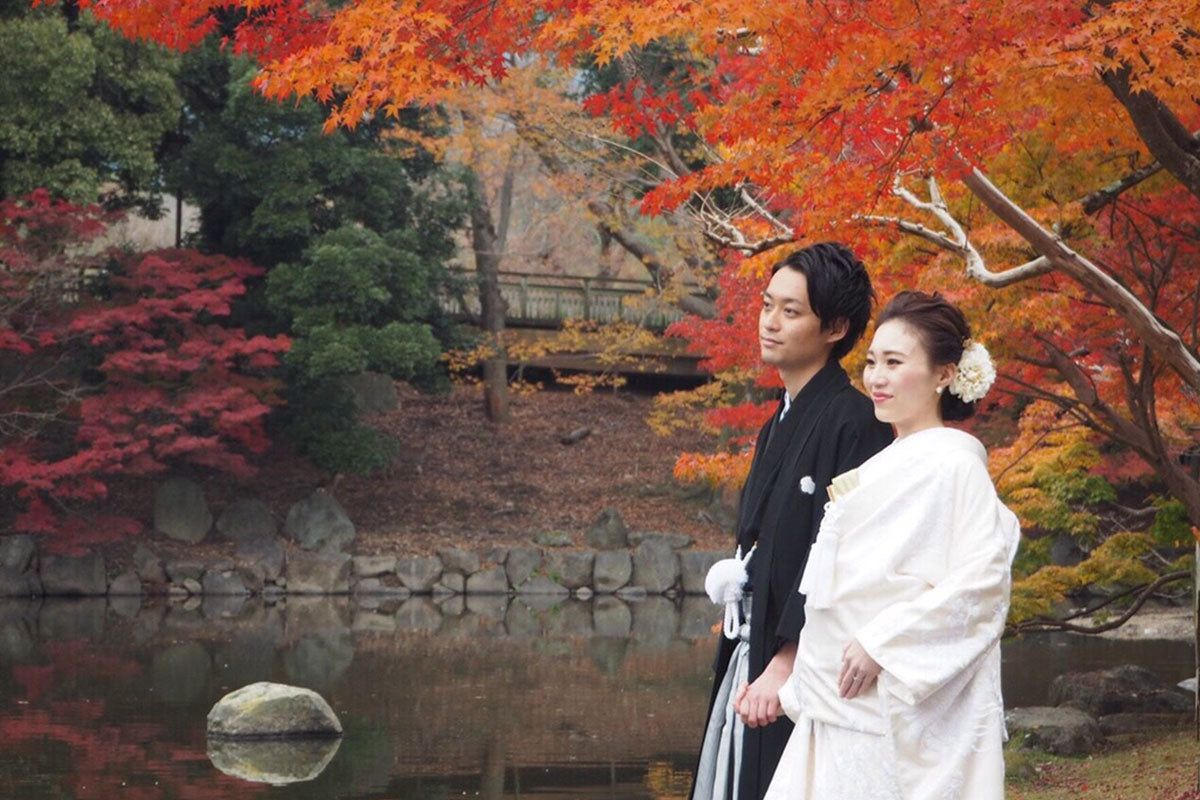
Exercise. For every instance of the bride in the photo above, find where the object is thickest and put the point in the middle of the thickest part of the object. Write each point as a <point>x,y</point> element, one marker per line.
<point>895,690</point>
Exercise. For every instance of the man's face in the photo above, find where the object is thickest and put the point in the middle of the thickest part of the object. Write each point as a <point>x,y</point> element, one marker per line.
<point>789,333</point>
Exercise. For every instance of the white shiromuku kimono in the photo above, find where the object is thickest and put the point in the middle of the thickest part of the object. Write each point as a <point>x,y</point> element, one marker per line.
<point>912,560</point>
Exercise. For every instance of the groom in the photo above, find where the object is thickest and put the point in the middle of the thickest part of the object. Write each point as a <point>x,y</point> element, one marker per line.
<point>814,310</point>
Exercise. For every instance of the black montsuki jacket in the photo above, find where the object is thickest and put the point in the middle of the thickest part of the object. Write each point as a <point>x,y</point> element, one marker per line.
<point>829,429</point>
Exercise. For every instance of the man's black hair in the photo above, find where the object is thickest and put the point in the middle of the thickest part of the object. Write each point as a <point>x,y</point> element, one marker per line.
<point>838,288</point>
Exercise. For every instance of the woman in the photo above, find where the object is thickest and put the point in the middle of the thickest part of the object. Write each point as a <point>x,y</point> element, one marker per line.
<point>896,686</point>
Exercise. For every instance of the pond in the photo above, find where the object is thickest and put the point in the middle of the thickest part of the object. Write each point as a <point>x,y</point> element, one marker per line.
<point>483,697</point>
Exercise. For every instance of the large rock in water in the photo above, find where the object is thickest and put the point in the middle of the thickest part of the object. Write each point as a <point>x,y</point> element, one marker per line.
<point>18,553</point>
<point>1124,689</point>
<point>181,512</point>
<point>1064,731</point>
<point>571,568</point>
<point>272,710</point>
<point>418,573</point>
<point>18,567</point>
<point>318,573</point>
<point>611,570</point>
<point>318,522</point>
<point>264,555</point>
<point>694,566</point>
<point>489,581</point>
<point>521,563</point>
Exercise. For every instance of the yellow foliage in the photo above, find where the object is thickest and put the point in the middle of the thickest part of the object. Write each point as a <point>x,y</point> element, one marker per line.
<point>611,343</point>
<point>1037,595</point>
<point>1118,560</point>
<point>684,410</point>
<point>587,382</point>
<point>1046,445</point>
<point>460,363</point>
<point>1045,440</point>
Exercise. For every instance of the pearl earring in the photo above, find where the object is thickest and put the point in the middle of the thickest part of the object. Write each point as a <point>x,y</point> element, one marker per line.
<point>939,389</point>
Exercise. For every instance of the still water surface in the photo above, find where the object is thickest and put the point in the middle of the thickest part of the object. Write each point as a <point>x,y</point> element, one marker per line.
<point>485,699</point>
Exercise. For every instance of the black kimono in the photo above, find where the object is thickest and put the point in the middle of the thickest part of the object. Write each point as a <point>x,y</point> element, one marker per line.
<point>829,429</point>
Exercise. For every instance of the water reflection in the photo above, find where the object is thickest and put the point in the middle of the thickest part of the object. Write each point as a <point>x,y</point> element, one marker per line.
<point>439,697</point>
<point>274,761</point>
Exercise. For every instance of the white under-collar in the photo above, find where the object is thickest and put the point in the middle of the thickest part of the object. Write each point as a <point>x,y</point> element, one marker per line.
<point>787,404</point>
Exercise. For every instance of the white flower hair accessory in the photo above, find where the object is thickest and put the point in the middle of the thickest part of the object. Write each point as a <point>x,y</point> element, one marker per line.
<point>976,373</point>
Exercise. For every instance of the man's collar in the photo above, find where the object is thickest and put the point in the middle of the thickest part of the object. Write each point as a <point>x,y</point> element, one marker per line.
<point>829,376</point>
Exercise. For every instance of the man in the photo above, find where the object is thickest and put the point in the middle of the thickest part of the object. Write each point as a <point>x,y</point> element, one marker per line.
<point>814,309</point>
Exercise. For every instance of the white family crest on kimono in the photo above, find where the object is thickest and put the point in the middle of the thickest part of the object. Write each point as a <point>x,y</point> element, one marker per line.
<point>912,560</point>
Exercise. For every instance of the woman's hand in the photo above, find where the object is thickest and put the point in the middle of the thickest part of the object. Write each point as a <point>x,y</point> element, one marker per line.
<point>859,671</point>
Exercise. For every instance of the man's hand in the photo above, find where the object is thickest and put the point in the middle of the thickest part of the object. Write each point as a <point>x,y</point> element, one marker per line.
<point>859,670</point>
<point>758,703</point>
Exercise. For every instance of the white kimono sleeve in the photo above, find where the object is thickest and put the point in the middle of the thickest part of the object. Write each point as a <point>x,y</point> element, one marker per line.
<point>923,642</point>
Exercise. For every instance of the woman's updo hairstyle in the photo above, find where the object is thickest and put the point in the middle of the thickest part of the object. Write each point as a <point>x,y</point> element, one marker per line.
<point>943,332</point>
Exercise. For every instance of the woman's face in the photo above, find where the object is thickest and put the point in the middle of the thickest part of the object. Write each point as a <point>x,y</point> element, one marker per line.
<point>901,381</point>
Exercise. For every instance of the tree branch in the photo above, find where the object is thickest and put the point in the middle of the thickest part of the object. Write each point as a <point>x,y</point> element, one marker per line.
<point>646,253</point>
<point>1043,624</point>
<point>1085,390</point>
<point>955,238</point>
<point>1175,147</point>
<point>1102,197</point>
<point>1143,322</point>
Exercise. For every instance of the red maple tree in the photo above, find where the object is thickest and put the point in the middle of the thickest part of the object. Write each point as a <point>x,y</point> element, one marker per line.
<point>115,363</point>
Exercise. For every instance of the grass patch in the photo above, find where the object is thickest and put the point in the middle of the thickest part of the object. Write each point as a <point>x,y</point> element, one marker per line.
<point>1158,767</point>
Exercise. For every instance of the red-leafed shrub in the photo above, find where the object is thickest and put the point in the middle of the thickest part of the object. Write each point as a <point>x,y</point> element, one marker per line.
<point>116,364</point>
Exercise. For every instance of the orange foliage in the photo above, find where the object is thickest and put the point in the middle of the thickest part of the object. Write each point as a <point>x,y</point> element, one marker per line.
<point>821,109</point>
<point>973,75</point>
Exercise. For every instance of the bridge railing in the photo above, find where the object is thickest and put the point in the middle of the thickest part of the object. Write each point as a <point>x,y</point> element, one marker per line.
<point>538,300</point>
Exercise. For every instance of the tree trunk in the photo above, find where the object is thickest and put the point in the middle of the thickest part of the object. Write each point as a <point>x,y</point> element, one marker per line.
<point>488,245</point>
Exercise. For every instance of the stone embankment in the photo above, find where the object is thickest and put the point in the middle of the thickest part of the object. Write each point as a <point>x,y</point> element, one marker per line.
<point>311,553</point>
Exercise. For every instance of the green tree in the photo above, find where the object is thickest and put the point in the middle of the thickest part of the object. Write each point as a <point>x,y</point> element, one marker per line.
<point>355,229</point>
<point>356,301</point>
<point>268,181</point>
<point>85,109</point>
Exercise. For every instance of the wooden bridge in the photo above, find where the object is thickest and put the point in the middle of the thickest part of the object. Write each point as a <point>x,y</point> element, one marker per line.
<point>537,305</point>
<point>536,300</point>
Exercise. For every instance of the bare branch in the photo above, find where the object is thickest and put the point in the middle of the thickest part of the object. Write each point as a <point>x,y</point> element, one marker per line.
<point>1085,390</point>
<point>914,228</point>
<point>1102,197</point>
<point>1143,322</point>
<point>1044,624</point>
<point>761,210</point>
<point>954,238</point>
<point>646,253</point>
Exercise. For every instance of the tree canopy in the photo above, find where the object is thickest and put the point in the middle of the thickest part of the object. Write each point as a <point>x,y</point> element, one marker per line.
<point>1036,161</point>
<point>85,109</point>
